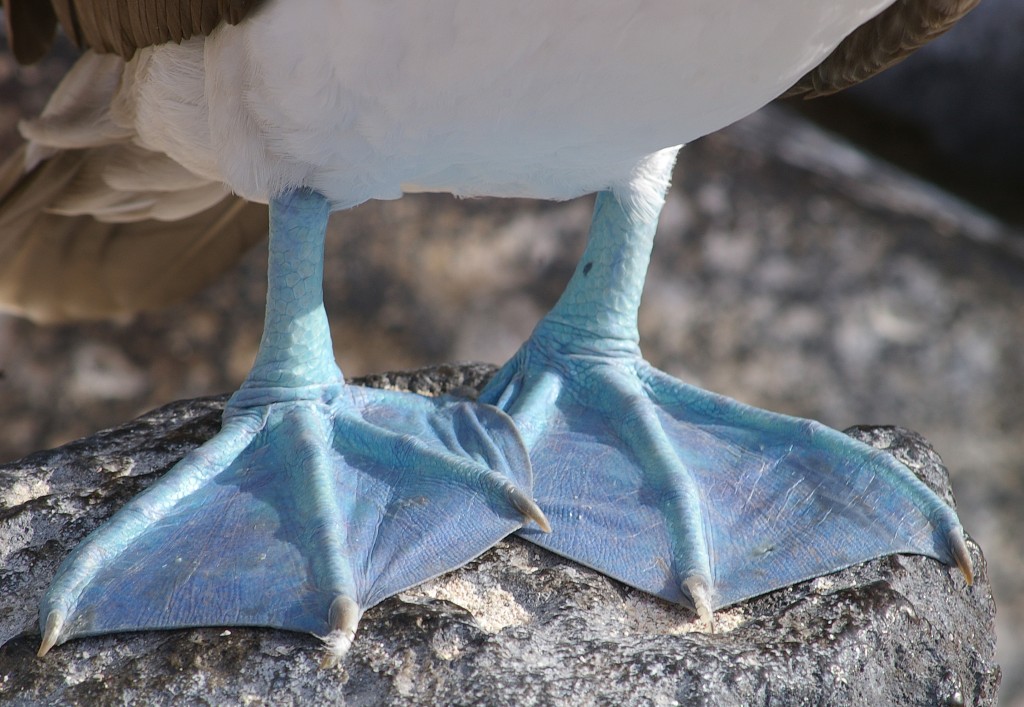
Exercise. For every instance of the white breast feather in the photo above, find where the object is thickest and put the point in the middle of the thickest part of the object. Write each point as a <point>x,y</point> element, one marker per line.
<point>367,99</point>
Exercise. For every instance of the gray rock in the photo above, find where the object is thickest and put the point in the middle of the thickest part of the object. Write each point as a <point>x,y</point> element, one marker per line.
<point>517,626</point>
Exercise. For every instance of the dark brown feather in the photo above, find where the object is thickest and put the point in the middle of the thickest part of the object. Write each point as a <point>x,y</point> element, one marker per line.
<point>885,40</point>
<point>38,22</point>
<point>114,26</point>
<point>68,19</point>
<point>172,18</point>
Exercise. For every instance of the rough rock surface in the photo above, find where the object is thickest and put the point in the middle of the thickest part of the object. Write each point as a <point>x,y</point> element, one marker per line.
<point>518,626</point>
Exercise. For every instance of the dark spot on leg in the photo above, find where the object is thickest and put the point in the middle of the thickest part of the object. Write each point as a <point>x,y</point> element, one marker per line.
<point>586,268</point>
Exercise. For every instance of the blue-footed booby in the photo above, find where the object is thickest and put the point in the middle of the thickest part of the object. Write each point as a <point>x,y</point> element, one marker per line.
<point>146,175</point>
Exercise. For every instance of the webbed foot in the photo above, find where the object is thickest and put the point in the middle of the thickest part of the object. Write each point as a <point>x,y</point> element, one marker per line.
<point>315,501</point>
<point>680,492</point>
<point>300,515</point>
<point>700,499</point>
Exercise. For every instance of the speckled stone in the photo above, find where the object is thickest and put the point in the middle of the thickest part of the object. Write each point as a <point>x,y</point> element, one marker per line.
<point>518,626</point>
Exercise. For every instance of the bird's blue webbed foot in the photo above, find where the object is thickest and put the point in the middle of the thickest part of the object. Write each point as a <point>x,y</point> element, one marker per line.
<point>315,501</point>
<point>683,493</point>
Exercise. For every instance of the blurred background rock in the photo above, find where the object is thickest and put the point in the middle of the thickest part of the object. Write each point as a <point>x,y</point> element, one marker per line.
<point>792,271</point>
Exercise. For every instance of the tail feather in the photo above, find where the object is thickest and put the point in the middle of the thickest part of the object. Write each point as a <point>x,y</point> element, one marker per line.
<point>58,267</point>
<point>94,226</point>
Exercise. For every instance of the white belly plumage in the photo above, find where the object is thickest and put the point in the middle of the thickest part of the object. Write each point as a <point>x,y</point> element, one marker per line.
<point>367,99</point>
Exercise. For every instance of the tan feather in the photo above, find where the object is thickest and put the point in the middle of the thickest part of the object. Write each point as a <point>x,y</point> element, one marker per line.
<point>92,225</point>
<point>57,268</point>
<point>887,39</point>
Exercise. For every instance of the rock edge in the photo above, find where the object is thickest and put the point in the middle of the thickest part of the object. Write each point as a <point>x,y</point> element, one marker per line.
<point>516,626</point>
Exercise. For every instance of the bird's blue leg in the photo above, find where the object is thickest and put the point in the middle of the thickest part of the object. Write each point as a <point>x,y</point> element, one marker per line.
<point>680,492</point>
<point>315,501</point>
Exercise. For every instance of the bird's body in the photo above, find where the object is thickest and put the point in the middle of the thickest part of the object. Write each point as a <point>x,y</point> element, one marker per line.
<point>319,105</point>
<point>525,99</point>
<point>364,100</point>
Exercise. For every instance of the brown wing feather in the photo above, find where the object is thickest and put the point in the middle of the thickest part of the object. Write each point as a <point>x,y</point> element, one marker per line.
<point>887,39</point>
<point>37,22</point>
<point>58,268</point>
<point>66,18</point>
<point>91,224</point>
<point>114,26</point>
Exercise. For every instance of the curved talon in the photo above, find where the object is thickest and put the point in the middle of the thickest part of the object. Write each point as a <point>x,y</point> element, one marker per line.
<point>54,625</point>
<point>700,593</point>
<point>958,548</point>
<point>343,618</point>
<point>528,507</point>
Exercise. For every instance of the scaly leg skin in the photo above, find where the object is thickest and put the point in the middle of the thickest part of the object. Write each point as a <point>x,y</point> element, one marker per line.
<point>683,493</point>
<point>315,501</point>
